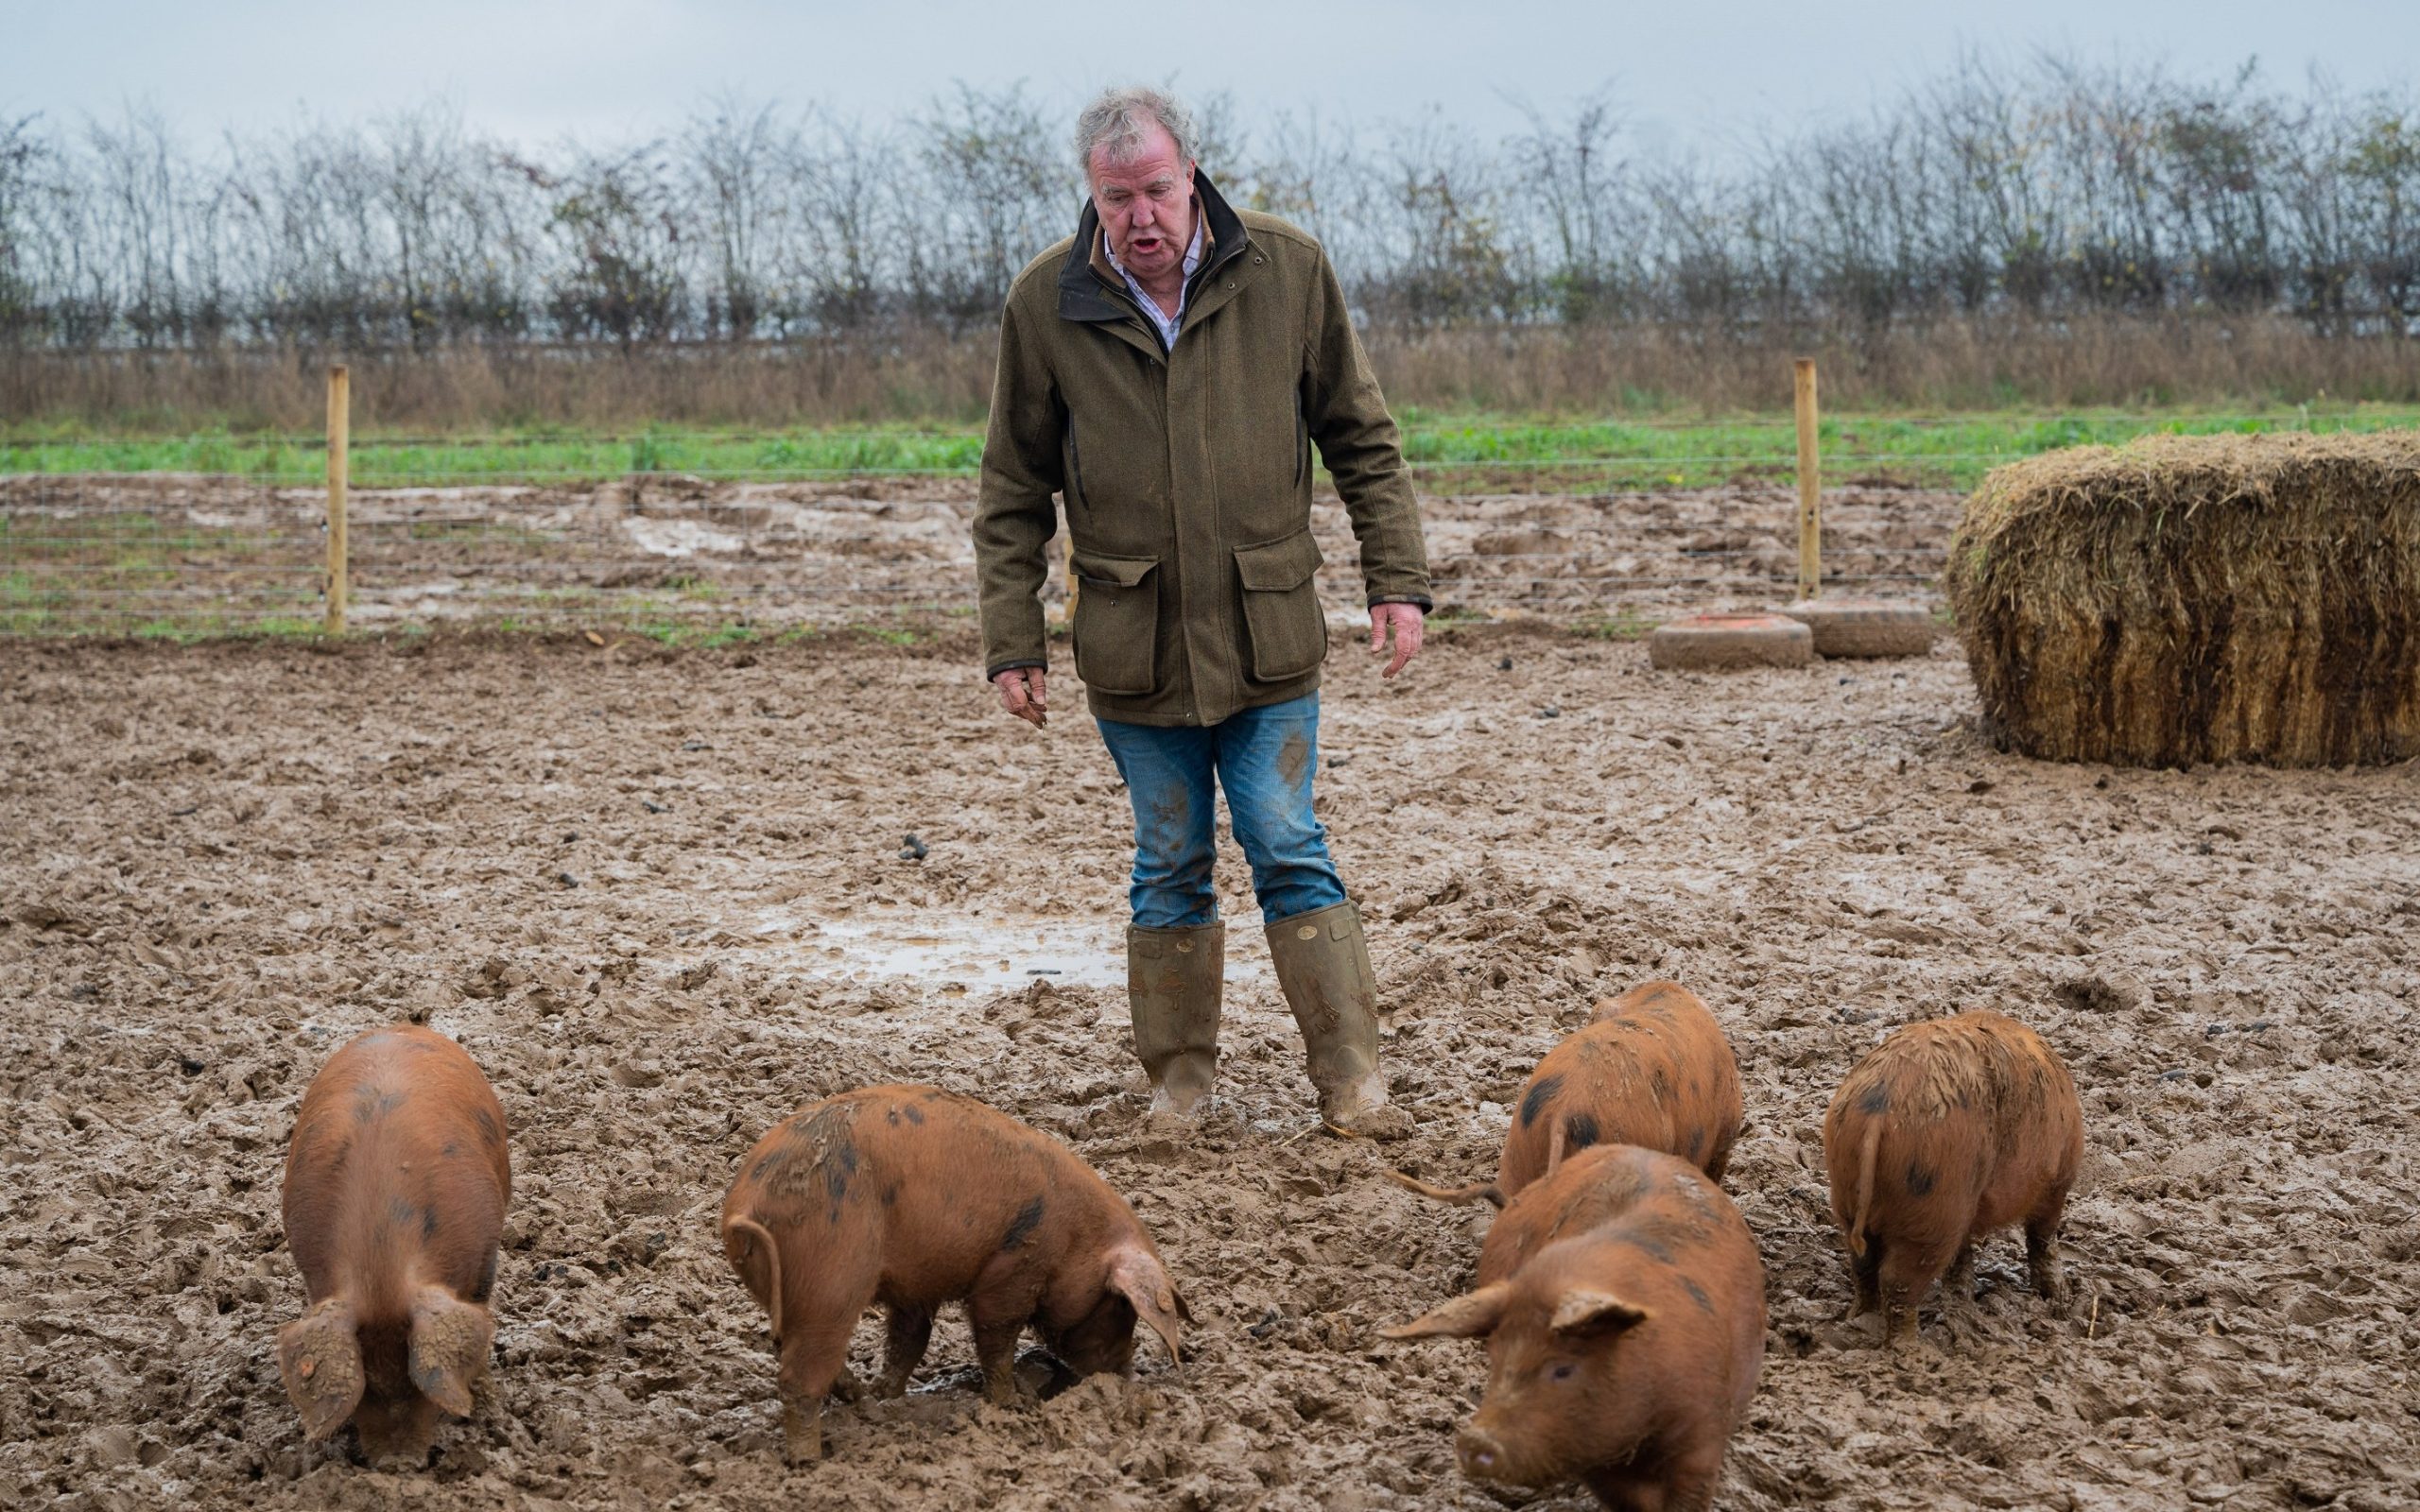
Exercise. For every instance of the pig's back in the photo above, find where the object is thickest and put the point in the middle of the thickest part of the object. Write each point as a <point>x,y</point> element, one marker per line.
<point>1585,1193</point>
<point>399,1137</point>
<point>1654,1069</point>
<point>951,1183</point>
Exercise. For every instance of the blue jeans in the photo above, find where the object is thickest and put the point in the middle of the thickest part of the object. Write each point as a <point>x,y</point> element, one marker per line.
<point>1264,758</point>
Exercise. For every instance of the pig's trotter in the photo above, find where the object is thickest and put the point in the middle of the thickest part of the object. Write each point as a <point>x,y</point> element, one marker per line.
<point>802,1430</point>
<point>845,1387</point>
<point>1898,1315</point>
<point>2041,1262</point>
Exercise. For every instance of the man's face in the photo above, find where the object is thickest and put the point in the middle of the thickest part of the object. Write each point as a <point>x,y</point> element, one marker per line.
<point>1146,204</point>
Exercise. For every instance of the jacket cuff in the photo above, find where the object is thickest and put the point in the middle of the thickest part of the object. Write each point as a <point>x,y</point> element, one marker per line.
<point>989,673</point>
<point>1427,604</point>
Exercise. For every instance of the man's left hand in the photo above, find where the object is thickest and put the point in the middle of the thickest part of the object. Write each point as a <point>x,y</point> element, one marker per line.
<point>1403,621</point>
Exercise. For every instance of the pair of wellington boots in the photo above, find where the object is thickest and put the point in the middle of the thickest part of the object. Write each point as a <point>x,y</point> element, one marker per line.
<point>1173,982</point>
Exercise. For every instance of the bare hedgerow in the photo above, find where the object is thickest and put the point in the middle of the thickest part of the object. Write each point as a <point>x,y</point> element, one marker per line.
<point>1993,197</point>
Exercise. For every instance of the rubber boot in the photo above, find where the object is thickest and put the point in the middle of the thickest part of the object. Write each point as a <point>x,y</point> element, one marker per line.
<point>1173,981</point>
<point>1324,968</point>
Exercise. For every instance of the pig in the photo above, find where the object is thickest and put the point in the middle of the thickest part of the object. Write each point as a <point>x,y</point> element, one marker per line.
<point>395,1189</point>
<point>1947,1130</point>
<point>1623,1304</point>
<point>913,1196</point>
<point>1651,1069</point>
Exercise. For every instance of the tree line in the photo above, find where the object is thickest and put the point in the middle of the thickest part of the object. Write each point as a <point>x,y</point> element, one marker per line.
<point>2048,189</point>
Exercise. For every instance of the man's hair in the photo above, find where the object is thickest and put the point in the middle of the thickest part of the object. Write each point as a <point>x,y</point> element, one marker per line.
<point>1117,119</point>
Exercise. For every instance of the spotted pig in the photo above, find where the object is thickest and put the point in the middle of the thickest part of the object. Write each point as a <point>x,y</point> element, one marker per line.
<point>911,1197</point>
<point>1947,1130</point>
<point>1651,1069</point>
<point>1623,1304</point>
<point>395,1188</point>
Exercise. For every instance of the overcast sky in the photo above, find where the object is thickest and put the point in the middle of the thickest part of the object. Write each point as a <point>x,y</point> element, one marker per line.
<point>1685,76</point>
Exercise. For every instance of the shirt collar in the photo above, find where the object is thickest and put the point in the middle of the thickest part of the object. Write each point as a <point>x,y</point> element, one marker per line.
<point>1192,253</point>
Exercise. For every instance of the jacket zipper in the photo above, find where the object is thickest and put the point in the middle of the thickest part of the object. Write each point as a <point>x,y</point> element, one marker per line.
<point>1076,466</point>
<point>1302,439</point>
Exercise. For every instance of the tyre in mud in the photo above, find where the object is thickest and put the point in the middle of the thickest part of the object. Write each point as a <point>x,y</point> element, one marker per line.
<point>1725,643</point>
<point>1866,626</point>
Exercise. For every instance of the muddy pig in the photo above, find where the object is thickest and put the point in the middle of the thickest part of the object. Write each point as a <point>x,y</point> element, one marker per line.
<point>1947,1130</point>
<point>1653,1069</point>
<point>395,1187</point>
<point>1623,1304</point>
<point>911,1197</point>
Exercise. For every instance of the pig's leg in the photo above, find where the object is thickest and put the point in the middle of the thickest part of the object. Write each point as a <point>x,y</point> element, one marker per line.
<point>1960,1282</point>
<point>814,1357</point>
<point>995,1350</point>
<point>1862,1272</point>
<point>911,1330</point>
<point>1682,1484</point>
<point>1908,1271</point>
<point>1007,1294</point>
<point>2042,1247</point>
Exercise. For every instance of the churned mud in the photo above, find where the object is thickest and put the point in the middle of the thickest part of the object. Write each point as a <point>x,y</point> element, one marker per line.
<point>666,547</point>
<point>667,899</point>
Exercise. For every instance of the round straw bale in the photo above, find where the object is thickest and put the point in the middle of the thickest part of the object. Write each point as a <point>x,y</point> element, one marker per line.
<point>2186,600</point>
<point>1865,627</point>
<point>1722,643</point>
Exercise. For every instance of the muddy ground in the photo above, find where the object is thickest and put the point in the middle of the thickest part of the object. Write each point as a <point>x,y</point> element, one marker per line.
<point>116,553</point>
<point>661,898</point>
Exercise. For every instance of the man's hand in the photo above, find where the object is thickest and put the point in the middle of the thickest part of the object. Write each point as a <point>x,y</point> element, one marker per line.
<point>1022,692</point>
<point>1404,621</point>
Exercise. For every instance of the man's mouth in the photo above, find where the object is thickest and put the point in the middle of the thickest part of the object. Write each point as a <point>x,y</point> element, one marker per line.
<point>1144,246</point>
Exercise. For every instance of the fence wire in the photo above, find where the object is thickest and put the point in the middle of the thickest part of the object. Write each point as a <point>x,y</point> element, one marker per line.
<point>242,548</point>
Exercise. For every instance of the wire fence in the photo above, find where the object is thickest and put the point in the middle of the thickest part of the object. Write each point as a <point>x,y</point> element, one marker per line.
<point>741,534</point>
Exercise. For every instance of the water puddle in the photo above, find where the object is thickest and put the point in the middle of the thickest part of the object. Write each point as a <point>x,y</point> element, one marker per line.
<point>978,955</point>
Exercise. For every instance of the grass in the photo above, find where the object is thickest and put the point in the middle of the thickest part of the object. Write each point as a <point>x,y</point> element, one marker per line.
<point>1446,451</point>
<point>135,572</point>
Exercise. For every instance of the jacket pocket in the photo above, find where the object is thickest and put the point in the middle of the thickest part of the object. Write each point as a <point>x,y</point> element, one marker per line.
<point>1282,605</point>
<point>1117,623</point>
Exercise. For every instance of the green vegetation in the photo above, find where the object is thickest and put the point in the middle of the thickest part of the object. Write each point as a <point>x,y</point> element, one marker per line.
<point>1449,451</point>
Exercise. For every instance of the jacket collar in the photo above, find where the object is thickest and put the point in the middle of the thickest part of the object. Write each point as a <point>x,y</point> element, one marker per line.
<point>1086,295</point>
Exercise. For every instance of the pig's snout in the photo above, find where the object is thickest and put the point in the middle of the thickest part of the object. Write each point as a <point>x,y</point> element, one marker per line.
<point>1482,1457</point>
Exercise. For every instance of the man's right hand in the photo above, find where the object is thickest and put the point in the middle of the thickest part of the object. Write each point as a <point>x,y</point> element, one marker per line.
<point>1022,694</point>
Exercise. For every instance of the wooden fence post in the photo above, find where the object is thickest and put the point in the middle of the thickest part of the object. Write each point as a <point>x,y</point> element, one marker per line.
<point>1810,513</point>
<point>339,459</point>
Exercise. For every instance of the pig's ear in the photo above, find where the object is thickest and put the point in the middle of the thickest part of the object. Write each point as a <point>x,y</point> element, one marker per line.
<point>1140,1277</point>
<point>320,1359</point>
<point>449,1343</point>
<point>1468,1316</point>
<point>1585,1313</point>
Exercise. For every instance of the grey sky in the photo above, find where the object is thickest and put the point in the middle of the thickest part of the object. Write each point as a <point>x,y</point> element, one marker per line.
<point>1685,76</point>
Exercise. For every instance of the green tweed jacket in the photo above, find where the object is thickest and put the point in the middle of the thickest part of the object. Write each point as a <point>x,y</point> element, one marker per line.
<point>1187,473</point>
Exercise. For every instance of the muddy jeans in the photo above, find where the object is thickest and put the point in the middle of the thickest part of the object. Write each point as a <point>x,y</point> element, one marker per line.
<point>1264,759</point>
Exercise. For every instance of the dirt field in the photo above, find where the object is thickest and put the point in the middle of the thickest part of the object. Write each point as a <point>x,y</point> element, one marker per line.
<point>661,898</point>
<point>117,553</point>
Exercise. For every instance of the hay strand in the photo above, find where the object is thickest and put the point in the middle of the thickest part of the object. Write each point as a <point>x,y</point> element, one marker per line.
<point>2187,599</point>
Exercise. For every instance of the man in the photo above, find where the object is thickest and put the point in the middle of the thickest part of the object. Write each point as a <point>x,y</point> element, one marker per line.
<point>1167,371</point>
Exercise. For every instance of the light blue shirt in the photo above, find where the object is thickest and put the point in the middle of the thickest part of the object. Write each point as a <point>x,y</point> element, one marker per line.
<point>1168,323</point>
